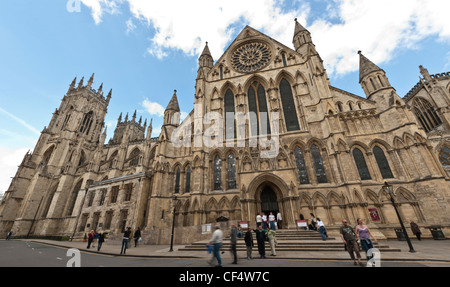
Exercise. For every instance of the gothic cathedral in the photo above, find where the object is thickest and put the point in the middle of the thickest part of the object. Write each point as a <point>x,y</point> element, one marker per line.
<point>268,133</point>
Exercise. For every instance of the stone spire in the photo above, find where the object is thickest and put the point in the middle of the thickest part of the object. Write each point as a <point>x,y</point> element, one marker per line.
<point>301,37</point>
<point>173,104</point>
<point>108,98</point>
<point>91,81</point>
<point>366,67</point>
<point>72,86</point>
<point>206,60</point>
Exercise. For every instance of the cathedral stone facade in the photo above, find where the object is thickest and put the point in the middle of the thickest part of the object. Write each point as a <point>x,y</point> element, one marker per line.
<point>268,133</point>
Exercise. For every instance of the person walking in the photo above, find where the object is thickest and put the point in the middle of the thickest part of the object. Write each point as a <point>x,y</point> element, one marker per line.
<point>216,242</point>
<point>279,220</point>
<point>90,238</point>
<point>101,239</point>
<point>125,240</point>
<point>261,239</point>
<point>272,221</point>
<point>363,232</point>
<point>233,241</point>
<point>136,236</point>
<point>416,230</point>
<point>322,230</point>
<point>258,220</point>
<point>313,221</point>
<point>8,237</point>
<point>264,220</point>
<point>350,239</point>
<point>249,243</point>
<point>95,238</point>
<point>272,241</point>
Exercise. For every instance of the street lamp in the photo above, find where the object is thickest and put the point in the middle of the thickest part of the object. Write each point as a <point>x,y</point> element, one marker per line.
<point>389,189</point>
<point>173,223</point>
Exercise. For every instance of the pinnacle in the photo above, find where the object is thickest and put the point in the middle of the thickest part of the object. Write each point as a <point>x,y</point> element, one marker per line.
<point>366,66</point>
<point>173,104</point>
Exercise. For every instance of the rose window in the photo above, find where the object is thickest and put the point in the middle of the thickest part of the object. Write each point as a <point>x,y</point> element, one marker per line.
<point>251,57</point>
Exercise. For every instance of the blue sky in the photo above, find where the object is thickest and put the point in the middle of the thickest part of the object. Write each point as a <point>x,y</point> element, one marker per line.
<point>144,50</point>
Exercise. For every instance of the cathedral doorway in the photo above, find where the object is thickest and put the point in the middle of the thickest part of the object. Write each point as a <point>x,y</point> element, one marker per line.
<point>269,202</point>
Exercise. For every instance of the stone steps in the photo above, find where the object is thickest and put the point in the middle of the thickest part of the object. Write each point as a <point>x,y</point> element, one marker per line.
<point>291,241</point>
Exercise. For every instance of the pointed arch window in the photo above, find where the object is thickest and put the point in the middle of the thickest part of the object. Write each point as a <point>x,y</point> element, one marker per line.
<point>259,118</point>
<point>46,157</point>
<point>318,164</point>
<point>382,162</point>
<point>301,166</point>
<point>73,198</point>
<point>230,122</point>
<point>287,100</point>
<point>188,180</point>
<point>444,156</point>
<point>134,157</point>
<point>361,164</point>
<point>426,114</point>
<point>177,180</point>
<point>217,173</point>
<point>283,57</point>
<point>86,123</point>
<point>231,171</point>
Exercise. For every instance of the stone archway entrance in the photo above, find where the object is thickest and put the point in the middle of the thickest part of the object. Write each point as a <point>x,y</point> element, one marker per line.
<point>269,202</point>
<point>269,193</point>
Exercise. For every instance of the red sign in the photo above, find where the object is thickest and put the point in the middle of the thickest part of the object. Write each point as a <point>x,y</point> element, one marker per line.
<point>374,214</point>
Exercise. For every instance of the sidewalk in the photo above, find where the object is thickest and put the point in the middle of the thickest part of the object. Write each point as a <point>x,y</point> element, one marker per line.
<point>426,250</point>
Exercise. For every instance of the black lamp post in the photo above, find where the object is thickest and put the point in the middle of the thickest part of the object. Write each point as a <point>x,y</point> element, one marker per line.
<point>389,189</point>
<point>173,223</point>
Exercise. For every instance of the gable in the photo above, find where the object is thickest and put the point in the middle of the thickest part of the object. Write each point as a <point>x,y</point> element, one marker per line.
<point>250,52</point>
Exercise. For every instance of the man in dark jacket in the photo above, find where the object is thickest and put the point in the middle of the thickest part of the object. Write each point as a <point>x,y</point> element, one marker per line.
<point>249,243</point>
<point>260,239</point>
<point>233,242</point>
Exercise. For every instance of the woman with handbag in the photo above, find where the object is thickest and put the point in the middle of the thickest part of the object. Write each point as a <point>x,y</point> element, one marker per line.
<point>363,232</point>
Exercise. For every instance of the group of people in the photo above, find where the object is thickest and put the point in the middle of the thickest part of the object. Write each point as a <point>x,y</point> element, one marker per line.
<point>126,240</point>
<point>269,222</point>
<point>99,237</point>
<point>350,236</point>
<point>263,235</point>
<point>94,236</point>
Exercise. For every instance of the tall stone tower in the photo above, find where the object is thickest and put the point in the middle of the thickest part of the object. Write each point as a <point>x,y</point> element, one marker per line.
<point>66,148</point>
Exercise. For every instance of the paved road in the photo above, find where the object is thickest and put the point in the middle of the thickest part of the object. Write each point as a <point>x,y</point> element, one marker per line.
<point>31,254</point>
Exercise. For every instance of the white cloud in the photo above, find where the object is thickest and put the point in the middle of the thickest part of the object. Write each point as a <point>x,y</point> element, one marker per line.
<point>153,108</point>
<point>98,7</point>
<point>130,26</point>
<point>377,27</point>
<point>10,159</point>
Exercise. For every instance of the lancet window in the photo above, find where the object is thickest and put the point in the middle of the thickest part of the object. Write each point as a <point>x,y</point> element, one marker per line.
<point>290,113</point>
<point>361,164</point>
<point>382,162</point>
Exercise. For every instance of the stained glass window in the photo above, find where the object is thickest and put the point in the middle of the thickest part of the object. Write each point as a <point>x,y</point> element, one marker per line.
<point>301,166</point>
<point>426,114</point>
<point>361,164</point>
<point>230,123</point>
<point>258,106</point>
<point>177,181</point>
<point>231,171</point>
<point>217,173</point>
<point>444,156</point>
<point>86,124</point>
<point>290,113</point>
<point>318,165</point>
<point>188,180</point>
<point>382,162</point>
